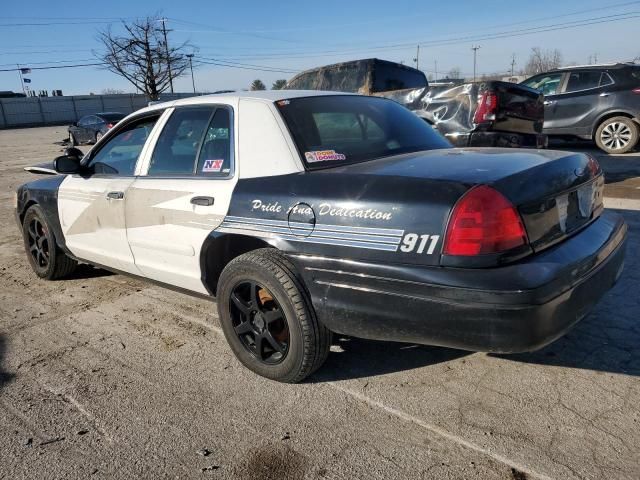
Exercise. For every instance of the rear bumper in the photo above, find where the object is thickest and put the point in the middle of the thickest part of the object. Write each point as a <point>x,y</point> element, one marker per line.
<point>498,139</point>
<point>515,308</point>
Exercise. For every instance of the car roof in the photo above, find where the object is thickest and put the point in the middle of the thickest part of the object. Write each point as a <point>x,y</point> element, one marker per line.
<point>600,65</point>
<point>268,96</point>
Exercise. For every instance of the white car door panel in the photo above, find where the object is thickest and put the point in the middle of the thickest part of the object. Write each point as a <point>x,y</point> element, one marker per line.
<point>182,194</point>
<point>166,231</point>
<point>93,220</point>
<point>91,206</point>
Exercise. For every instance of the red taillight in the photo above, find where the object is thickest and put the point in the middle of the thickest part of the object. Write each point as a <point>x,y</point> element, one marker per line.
<point>593,166</point>
<point>636,90</point>
<point>483,221</point>
<point>487,106</point>
<point>109,125</point>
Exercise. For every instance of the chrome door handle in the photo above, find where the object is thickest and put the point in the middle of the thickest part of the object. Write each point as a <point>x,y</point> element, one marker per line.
<point>604,94</point>
<point>115,195</point>
<point>203,201</point>
<point>549,102</point>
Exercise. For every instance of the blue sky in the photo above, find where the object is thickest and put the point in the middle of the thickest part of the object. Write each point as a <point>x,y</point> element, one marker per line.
<point>293,36</point>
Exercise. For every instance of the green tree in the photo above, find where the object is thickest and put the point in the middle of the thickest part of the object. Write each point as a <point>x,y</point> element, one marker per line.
<point>278,84</point>
<point>257,85</point>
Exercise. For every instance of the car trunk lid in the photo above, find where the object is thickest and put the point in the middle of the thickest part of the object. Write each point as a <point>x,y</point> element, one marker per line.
<point>556,193</point>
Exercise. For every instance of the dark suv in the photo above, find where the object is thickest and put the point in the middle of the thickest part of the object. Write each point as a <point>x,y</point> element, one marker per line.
<point>593,102</point>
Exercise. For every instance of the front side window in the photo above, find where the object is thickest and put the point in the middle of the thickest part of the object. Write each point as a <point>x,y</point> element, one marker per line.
<point>119,155</point>
<point>547,83</point>
<point>84,121</point>
<point>583,80</point>
<point>336,130</point>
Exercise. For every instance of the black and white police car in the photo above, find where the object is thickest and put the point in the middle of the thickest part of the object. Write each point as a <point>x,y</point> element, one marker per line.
<point>306,213</point>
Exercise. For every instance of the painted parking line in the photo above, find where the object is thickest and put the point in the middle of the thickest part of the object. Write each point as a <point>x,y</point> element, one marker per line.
<point>622,203</point>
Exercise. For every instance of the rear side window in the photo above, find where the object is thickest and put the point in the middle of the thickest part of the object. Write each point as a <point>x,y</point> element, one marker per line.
<point>331,131</point>
<point>389,77</point>
<point>194,140</point>
<point>583,80</point>
<point>215,155</point>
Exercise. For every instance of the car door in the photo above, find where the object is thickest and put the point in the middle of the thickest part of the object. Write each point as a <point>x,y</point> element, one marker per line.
<point>550,84</point>
<point>80,131</point>
<point>583,96</point>
<point>91,205</point>
<point>182,195</point>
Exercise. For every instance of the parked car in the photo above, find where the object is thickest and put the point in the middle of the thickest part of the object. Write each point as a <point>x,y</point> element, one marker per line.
<point>487,114</point>
<point>306,213</point>
<point>483,114</point>
<point>593,102</point>
<point>91,128</point>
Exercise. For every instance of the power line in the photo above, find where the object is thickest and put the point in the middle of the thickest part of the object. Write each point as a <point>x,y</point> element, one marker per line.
<point>54,67</point>
<point>451,41</point>
<point>246,68</point>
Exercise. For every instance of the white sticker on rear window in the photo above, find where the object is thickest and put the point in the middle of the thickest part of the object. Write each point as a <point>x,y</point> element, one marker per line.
<point>323,156</point>
<point>212,165</point>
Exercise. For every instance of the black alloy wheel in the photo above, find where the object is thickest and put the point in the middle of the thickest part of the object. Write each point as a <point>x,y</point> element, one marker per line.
<point>45,256</point>
<point>259,322</point>
<point>38,242</point>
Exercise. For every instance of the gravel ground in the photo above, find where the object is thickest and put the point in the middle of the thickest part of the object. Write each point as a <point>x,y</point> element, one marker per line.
<point>106,377</point>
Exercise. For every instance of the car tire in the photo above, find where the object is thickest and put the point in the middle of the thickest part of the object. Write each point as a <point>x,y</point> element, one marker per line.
<point>617,135</point>
<point>46,258</point>
<point>261,300</point>
<point>99,135</point>
<point>72,140</point>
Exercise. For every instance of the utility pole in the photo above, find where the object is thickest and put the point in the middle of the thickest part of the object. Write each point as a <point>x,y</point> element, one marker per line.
<point>417,59</point>
<point>166,45</point>
<point>193,82</point>
<point>21,79</point>
<point>513,63</point>
<point>475,54</point>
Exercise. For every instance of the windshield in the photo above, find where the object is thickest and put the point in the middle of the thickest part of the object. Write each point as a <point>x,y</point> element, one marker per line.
<point>341,129</point>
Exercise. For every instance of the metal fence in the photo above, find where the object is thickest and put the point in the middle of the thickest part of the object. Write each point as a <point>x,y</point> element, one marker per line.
<point>41,111</point>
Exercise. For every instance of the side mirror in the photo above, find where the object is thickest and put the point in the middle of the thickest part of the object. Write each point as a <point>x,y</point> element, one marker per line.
<point>73,152</point>
<point>66,164</point>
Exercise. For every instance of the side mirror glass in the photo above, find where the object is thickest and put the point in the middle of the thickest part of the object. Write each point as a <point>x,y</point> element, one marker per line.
<point>66,164</point>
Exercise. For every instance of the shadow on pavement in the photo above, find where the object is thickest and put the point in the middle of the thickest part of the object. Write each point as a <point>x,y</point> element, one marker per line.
<point>367,358</point>
<point>87,271</point>
<point>5,377</point>
<point>607,339</point>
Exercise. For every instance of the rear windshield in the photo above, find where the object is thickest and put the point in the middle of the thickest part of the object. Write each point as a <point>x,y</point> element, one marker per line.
<point>336,130</point>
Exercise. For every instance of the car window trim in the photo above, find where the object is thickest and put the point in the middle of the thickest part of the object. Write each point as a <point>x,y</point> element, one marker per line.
<point>194,176</point>
<point>561,83</point>
<point>613,82</point>
<point>114,131</point>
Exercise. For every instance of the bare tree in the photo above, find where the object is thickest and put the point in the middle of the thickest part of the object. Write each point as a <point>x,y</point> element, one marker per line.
<point>542,61</point>
<point>278,84</point>
<point>142,56</point>
<point>454,73</point>
<point>257,85</point>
